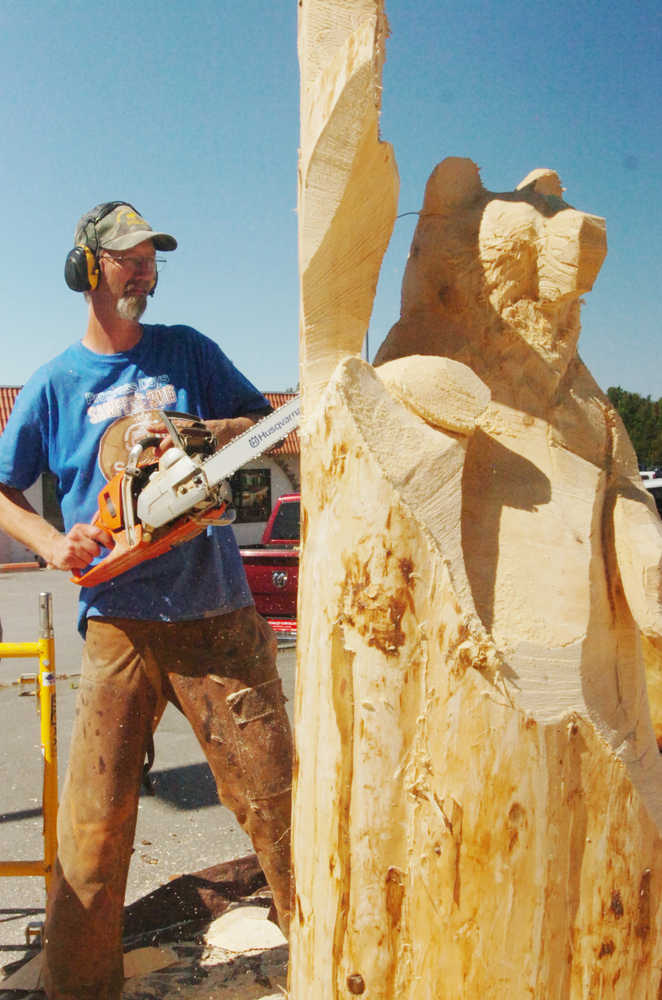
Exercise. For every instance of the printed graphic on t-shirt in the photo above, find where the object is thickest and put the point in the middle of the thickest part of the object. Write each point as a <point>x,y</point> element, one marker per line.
<point>148,393</point>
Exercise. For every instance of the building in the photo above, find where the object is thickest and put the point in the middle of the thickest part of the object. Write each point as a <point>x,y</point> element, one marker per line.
<point>255,487</point>
<point>11,551</point>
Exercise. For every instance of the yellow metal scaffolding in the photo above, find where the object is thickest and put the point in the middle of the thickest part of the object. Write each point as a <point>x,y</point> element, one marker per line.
<point>44,650</point>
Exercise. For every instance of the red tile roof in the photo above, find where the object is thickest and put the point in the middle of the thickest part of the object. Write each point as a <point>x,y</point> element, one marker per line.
<point>290,446</point>
<point>8,394</point>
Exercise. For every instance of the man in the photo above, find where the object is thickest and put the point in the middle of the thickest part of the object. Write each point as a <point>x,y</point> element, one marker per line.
<point>180,628</point>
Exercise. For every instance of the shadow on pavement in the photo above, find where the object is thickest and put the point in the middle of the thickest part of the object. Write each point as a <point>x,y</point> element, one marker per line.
<point>19,814</point>
<point>188,787</point>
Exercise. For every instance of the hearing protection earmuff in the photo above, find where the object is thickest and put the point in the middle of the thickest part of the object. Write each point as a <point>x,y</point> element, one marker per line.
<point>81,268</point>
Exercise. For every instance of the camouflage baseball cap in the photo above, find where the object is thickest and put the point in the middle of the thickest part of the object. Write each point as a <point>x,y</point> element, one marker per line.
<point>117,225</point>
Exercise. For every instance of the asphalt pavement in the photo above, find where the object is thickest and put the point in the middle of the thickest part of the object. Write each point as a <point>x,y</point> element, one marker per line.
<point>181,828</point>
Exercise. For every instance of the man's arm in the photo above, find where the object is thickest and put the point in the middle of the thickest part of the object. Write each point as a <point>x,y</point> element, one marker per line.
<point>75,550</point>
<point>225,430</point>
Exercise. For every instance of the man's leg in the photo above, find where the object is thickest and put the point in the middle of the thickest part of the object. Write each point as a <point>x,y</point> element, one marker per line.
<point>97,818</point>
<point>226,683</point>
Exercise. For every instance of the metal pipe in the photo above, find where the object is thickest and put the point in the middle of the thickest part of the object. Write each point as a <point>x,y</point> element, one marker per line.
<point>44,650</point>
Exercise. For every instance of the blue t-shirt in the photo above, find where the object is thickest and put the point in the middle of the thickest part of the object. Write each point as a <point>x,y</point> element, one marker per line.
<point>57,423</point>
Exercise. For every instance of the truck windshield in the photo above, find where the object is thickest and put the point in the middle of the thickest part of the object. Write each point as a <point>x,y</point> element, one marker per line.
<point>287,523</point>
<point>654,486</point>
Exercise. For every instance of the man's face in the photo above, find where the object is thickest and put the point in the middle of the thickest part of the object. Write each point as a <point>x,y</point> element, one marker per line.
<point>129,276</point>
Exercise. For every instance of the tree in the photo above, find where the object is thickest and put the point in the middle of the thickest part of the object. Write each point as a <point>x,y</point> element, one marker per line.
<point>643,421</point>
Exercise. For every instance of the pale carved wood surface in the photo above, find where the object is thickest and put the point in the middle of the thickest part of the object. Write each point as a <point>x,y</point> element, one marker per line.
<point>348,183</point>
<point>478,800</point>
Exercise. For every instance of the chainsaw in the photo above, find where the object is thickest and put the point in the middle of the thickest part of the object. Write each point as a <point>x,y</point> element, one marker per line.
<point>150,507</point>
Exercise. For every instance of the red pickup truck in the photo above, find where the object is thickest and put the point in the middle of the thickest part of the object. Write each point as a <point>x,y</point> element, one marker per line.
<point>272,567</point>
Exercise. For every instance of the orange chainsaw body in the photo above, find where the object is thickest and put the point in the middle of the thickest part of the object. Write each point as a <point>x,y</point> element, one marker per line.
<point>124,555</point>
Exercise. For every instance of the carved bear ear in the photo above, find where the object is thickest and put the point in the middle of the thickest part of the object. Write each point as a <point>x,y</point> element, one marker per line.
<point>455,182</point>
<point>544,181</point>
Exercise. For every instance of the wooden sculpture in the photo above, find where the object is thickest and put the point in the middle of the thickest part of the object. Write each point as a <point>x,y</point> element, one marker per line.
<point>479,793</point>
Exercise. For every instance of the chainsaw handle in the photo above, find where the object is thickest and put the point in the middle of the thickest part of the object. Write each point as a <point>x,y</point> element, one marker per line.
<point>77,573</point>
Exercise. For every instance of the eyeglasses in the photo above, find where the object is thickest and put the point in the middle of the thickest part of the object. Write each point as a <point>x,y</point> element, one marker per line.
<point>149,264</point>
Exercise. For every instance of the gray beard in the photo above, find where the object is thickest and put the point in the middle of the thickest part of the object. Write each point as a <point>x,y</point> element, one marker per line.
<point>131,307</point>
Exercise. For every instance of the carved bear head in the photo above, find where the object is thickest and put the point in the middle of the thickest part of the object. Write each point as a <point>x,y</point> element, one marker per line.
<point>494,279</point>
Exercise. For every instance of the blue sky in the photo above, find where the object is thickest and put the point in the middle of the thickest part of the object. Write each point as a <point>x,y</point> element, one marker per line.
<point>190,112</point>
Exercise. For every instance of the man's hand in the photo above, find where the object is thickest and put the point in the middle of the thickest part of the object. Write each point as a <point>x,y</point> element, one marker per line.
<point>72,551</point>
<point>223,430</point>
<point>79,547</point>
